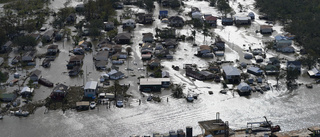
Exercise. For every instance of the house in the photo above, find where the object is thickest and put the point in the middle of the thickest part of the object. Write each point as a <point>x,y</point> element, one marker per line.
<point>154,63</point>
<point>211,20</point>
<point>115,75</point>
<point>244,89</point>
<point>118,55</point>
<point>6,48</point>
<point>123,38</point>
<point>257,51</point>
<point>285,49</point>
<point>231,75</point>
<point>199,75</point>
<point>219,44</point>
<point>242,20</point>
<point>85,45</point>
<point>176,21</point>
<point>28,56</point>
<point>101,56</point>
<point>74,71</point>
<point>255,71</point>
<point>145,18</point>
<point>274,61</point>
<point>108,26</point>
<point>266,29</point>
<point>26,91</point>
<point>147,37</point>
<point>146,56</point>
<point>128,23</point>
<point>153,84</point>
<point>227,21</point>
<point>90,89</point>
<point>52,49</point>
<point>82,105</point>
<point>271,69</point>
<point>15,60</point>
<point>117,48</point>
<point>8,97</point>
<point>166,33</point>
<point>247,55</point>
<point>101,64</point>
<point>170,43</point>
<point>314,72</point>
<point>35,75</point>
<point>203,49</point>
<point>48,35</point>
<point>75,60</point>
<point>163,14</point>
<point>215,128</point>
<point>59,92</point>
<point>251,15</point>
<point>294,66</point>
<point>258,58</point>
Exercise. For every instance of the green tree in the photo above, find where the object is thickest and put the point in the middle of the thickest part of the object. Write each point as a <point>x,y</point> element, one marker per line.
<point>111,34</point>
<point>24,41</point>
<point>224,7</point>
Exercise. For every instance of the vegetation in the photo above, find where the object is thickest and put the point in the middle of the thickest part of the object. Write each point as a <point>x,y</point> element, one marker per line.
<point>222,6</point>
<point>3,77</point>
<point>301,19</point>
<point>177,91</point>
<point>24,41</point>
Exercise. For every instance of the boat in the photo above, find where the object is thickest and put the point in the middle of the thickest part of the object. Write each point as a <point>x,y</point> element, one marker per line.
<point>149,98</point>
<point>21,113</point>
<point>45,82</point>
<point>92,105</point>
<point>190,98</point>
<point>1,117</point>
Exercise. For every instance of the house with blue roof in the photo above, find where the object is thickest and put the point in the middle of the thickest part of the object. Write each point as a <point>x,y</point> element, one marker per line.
<point>231,75</point>
<point>255,71</point>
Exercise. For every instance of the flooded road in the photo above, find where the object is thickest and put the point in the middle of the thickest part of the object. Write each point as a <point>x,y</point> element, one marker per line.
<point>290,109</point>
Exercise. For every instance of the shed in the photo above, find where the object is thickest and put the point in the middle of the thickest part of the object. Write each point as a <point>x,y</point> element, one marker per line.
<point>8,97</point>
<point>255,71</point>
<point>35,75</point>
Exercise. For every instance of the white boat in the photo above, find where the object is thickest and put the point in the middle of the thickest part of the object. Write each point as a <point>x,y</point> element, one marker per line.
<point>92,105</point>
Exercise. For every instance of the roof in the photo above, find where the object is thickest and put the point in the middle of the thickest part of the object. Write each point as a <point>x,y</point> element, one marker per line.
<point>8,95</point>
<point>48,33</point>
<point>242,84</point>
<point>82,103</point>
<point>153,81</point>
<point>102,55</point>
<point>170,42</point>
<point>265,27</point>
<point>210,18</point>
<point>176,18</point>
<point>76,58</point>
<point>101,63</point>
<point>60,88</point>
<point>123,36</point>
<point>128,20</point>
<point>255,69</point>
<point>296,63</point>
<point>117,74</point>
<point>204,47</point>
<point>53,46</point>
<point>212,125</point>
<point>91,85</point>
<point>229,70</point>
<point>205,73</point>
<point>36,72</point>
<point>26,90</point>
<point>242,18</point>
<point>30,53</point>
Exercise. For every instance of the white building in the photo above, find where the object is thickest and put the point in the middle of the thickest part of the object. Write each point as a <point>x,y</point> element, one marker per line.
<point>90,89</point>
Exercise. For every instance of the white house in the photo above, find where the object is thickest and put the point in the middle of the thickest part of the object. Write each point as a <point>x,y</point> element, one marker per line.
<point>314,72</point>
<point>196,15</point>
<point>90,89</point>
<point>26,91</point>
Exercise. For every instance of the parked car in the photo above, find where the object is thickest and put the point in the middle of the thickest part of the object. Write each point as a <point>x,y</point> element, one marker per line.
<point>190,98</point>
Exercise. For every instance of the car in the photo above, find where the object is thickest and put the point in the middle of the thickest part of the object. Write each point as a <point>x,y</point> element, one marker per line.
<point>129,69</point>
<point>119,104</point>
<point>92,105</point>
<point>142,69</point>
<point>43,29</point>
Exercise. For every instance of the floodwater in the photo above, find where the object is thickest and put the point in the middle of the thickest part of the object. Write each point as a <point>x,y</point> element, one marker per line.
<point>290,109</point>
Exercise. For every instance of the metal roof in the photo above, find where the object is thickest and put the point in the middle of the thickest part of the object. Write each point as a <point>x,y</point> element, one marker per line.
<point>229,70</point>
<point>91,85</point>
<point>153,81</point>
